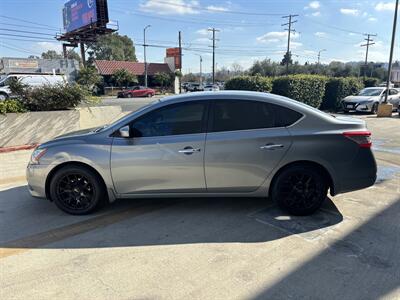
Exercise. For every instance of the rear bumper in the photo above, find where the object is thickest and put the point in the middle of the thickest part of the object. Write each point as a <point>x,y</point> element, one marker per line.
<point>359,174</point>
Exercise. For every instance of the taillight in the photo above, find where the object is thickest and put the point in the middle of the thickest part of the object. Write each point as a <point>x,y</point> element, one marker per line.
<point>362,138</point>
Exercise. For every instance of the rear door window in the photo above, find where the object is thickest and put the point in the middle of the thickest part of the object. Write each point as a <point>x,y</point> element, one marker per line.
<point>233,115</point>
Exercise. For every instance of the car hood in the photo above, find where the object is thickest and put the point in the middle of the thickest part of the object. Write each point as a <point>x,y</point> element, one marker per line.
<point>357,99</point>
<point>77,133</point>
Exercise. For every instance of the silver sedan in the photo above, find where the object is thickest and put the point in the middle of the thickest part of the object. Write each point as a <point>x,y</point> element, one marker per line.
<point>231,143</point>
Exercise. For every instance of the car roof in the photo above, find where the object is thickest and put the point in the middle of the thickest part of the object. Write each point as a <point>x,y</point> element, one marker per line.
<point>375,87</point>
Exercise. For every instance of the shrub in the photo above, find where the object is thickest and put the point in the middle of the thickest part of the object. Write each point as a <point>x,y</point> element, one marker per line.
<point>371,82</point>
<point>309,89</point>
<point>11,106</point>
<point>50,97</point>
<point>249,83</point>
<point>337,88</point>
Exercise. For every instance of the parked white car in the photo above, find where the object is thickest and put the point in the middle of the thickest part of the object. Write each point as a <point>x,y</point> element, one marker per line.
<point>33,80</point>
<point>369,98</point>
<point>211,88</point>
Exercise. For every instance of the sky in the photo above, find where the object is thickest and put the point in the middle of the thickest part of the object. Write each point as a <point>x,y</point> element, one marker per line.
<point>249,30</point>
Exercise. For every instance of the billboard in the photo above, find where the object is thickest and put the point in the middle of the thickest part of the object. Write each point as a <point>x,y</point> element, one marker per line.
<point>175,53</point>
<point>79,13</point>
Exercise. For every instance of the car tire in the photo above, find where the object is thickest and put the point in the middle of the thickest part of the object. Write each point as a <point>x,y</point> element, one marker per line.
<point>299,189</point>
<point>129,95</point>
<point>77,190</point>
<point>149,95</point>
<point>3,96</point>
<point>374,108</point>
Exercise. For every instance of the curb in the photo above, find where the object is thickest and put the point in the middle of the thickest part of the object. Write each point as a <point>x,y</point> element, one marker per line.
<point>17,148</point>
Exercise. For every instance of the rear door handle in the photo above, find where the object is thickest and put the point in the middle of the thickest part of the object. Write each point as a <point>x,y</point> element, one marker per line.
<point>189,150</point>
<point>271,146</point>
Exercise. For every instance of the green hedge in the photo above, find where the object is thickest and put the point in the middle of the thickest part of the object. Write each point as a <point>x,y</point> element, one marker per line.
<point>309,89</point>
<point>11,106</point>
<point>371,82</point>
<point>249,83</point>
<point>50,97</point>
<point>337,88</point>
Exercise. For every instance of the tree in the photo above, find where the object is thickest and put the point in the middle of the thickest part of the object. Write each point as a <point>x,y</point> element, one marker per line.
<point>123,77</point>
<point>51,54</point>
<point>114,47</point>
<point>287,59</point>
<point>89,77</point>
<point>163,79</point>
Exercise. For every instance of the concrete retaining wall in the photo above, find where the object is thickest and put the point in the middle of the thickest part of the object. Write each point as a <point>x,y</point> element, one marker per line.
<point>38,127</point>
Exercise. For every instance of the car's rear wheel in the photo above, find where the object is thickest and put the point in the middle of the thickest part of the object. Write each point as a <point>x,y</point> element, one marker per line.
<point>129,95</point>
<point>149,95</point>
<point>77,190</point>
<point>300,189</point>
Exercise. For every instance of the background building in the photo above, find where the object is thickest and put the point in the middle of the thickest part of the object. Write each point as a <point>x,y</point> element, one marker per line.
<point>67,67</point>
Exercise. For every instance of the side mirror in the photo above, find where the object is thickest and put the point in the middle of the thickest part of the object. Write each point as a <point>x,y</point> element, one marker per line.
<point>125,132</point>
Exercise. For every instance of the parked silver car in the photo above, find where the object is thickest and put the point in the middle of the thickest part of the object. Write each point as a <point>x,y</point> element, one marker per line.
<point>369,98</point>
<point>210,144</point>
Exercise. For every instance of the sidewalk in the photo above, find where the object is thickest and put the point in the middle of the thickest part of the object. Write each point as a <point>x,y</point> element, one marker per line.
<point>13,165</point>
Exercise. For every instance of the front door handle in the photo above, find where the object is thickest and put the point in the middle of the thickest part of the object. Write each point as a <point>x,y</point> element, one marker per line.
<point>189,150</point>
<point>271,146</point>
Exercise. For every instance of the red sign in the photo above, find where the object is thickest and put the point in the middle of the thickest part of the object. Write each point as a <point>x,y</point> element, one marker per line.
<point>175,53</point>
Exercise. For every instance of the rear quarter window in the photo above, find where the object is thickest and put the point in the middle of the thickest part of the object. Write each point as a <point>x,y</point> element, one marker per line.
<point>286,116</point>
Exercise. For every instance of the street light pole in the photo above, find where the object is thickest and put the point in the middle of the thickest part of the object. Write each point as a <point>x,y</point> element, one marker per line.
<point>391,51</point>
<point>144,55</point>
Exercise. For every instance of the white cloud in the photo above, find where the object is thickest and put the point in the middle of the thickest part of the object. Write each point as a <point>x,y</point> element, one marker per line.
<point>372,19</point>
<point>320,34</point>
<point>381,6</point>
<point>170,7</point>
<point>217,8</point>
<point>350,11</point>
<point>45,46</point>
<point>295,45</point>
<point>313,5</point>
<point>202,40</point>
<point>316,14</point>
<point>203,31</point>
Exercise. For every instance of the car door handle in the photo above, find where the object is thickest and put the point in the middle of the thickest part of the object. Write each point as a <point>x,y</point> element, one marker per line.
<point>271,146</point>
<point>189,150</point>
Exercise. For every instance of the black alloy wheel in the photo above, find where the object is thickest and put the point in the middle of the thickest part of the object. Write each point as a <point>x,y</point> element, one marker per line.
<point>300,190</point>
<point>77,190</point>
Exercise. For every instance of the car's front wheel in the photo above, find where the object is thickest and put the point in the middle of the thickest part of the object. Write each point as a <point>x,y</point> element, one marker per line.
<point>374,108</point>
<point>300,189</point>
<point>77,190</point>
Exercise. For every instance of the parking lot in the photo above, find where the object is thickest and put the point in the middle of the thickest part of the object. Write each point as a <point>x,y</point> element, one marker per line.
<point>236,248</point>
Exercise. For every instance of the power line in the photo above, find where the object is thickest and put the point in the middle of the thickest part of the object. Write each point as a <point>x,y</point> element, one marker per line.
<point>29,22</point>
<point>27,36</point>
<point>23,31</point>
<point>26,26</point>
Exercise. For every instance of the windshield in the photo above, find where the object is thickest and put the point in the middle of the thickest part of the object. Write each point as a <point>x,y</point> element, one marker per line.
<point>370,92</point>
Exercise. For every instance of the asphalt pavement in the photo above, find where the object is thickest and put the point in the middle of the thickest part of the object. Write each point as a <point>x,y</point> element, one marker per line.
<point>229,248</point>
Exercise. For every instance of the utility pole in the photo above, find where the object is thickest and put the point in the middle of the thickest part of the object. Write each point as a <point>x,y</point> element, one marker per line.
<point>180,61</point>
<point>83,54</point>
<point>391,50</point>
<point>144,55</point>
<point>213,47</point>
<point>290,30</point>
<point>369,43</point>
<point>319,55</point>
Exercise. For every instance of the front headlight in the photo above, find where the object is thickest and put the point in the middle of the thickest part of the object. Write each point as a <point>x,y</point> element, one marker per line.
<point>37,154</point>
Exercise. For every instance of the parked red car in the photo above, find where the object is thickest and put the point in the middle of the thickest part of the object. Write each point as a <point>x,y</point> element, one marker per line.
<point>136,91</point>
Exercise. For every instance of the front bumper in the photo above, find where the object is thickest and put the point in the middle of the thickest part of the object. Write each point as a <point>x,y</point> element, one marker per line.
<point>36,176</point>
<point>352,106</point>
